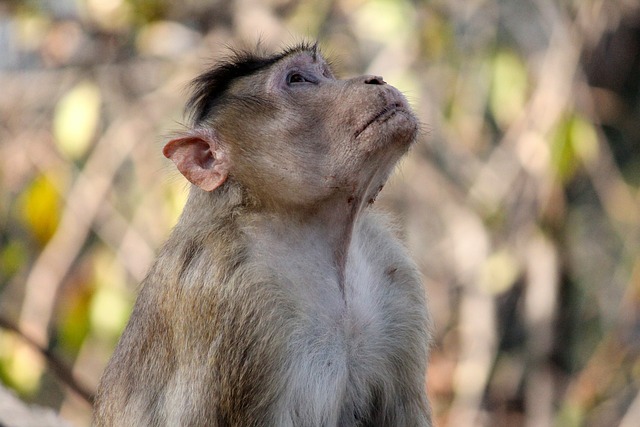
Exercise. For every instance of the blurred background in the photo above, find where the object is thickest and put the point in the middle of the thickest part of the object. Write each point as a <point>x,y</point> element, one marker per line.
<point>520,202</point>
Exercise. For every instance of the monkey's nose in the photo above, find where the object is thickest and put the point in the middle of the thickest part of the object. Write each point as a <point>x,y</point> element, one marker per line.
<point>374,80</point>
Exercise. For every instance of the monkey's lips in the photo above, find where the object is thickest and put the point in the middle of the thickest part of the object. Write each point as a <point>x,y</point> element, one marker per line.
<point>384,115</point>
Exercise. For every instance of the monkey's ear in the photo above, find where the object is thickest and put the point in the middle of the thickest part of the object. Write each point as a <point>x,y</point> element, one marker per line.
<point>199,159</point>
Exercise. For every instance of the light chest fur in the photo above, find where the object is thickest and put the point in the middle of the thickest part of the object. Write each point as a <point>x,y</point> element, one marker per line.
<point>345,344</point>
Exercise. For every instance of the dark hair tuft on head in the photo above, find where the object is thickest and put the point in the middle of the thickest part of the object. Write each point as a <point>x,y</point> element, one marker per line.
<point>208,89</point>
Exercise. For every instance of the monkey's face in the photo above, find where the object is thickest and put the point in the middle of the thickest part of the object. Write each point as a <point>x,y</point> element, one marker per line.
<point>298,134</point>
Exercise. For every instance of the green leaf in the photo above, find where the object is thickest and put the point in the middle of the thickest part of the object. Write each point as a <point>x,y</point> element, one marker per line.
<point>508,89</point>
<point>74,319</point>
<point>575,141</point>
<point>12,257</point>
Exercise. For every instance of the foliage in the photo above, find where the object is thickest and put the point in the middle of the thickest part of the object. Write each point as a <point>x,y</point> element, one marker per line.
<point>521,201</point>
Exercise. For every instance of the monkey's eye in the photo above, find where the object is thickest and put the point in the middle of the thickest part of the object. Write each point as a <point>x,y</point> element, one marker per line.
<point>296,78</point>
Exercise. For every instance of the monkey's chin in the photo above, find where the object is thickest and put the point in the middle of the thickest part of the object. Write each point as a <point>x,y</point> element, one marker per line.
<point>397,128</point>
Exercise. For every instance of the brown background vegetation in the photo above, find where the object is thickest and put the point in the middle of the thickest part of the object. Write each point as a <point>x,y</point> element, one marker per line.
<point>520,202</point>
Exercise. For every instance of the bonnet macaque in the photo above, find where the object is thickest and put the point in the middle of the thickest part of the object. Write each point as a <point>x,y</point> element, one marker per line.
<point>281,297</point>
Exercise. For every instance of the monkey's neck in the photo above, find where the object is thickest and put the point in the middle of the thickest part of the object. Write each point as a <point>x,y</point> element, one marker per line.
<point>321,235</point>
<point>342,240</point>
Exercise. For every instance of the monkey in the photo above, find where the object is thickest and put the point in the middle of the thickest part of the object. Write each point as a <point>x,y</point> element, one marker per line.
<point>281,297</point>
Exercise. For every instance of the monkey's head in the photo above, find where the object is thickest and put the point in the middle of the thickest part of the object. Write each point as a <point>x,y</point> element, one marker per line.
<point>291,133</point>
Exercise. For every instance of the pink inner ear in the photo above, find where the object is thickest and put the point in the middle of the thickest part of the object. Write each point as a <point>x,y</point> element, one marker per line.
<point>205,158</point>
<point>196,159</point>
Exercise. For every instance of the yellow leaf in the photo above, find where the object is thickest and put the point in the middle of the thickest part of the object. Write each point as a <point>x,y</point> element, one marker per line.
<point>499,272</point>
<point>39,208</point>
<point>109,312</point>
<point>76,119</point>
<point>24,367</point>
<point>110,305</point>
<point>384,20</point>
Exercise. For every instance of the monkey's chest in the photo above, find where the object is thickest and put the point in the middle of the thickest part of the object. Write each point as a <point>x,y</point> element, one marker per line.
<point>347,349</point>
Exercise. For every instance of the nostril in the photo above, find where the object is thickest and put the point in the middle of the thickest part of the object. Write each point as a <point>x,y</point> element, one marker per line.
<point>374,80</point>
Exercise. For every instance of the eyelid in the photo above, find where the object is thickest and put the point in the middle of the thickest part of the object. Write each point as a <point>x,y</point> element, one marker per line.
<point>304,75</point>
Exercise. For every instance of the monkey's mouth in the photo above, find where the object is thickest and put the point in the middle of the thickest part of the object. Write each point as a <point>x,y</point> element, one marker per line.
<point>384,115</point>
